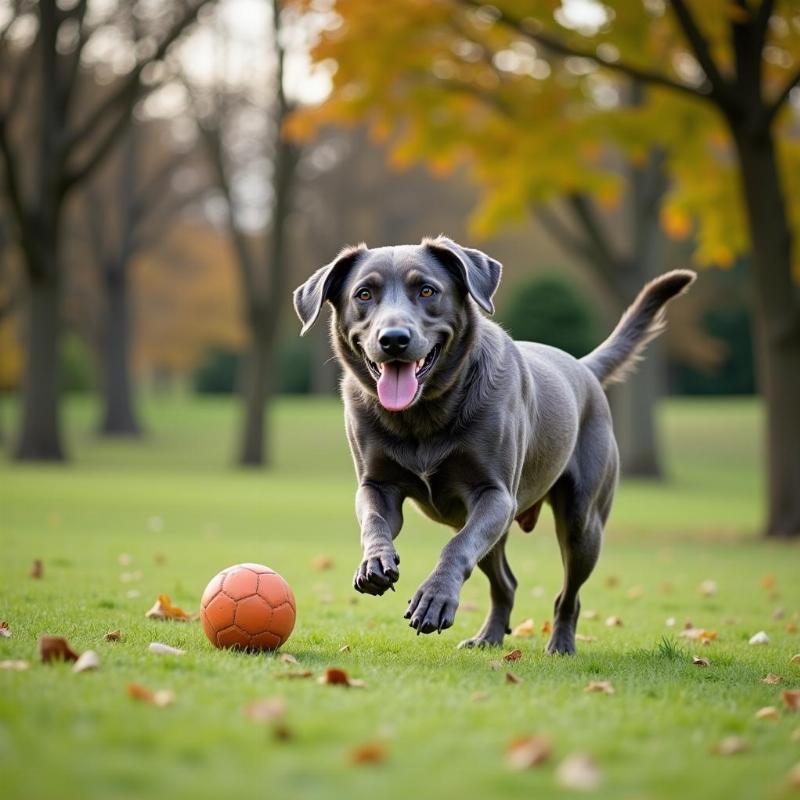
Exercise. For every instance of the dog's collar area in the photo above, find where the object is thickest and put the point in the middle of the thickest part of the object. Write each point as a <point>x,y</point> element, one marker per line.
<point>423,365</point>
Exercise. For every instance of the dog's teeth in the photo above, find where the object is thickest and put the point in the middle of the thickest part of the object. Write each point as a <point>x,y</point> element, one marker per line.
<point>420,363</point>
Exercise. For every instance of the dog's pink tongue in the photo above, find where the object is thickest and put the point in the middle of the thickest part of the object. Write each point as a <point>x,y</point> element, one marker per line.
<point>397,385</point>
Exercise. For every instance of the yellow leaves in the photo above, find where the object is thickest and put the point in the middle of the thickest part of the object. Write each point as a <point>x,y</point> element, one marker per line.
<point>161,698</point>
<point>333,676</point>
<point>599,687</point>
<point>528,751</point>
<point>322,563</point>
<point>613,622</point>
<point>369,753</point>
<point>526,628</point>
<point>768,713</point>
<point>164,610</point>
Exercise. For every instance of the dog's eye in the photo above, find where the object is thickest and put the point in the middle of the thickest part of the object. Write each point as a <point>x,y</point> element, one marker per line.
<point>364,295</point>
<point>427,291</point>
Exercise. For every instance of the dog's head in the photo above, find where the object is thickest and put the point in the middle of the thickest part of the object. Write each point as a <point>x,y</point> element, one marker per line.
<point>401,312</point>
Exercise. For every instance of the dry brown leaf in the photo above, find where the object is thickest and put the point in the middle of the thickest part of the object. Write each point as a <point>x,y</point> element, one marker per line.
<point>526,628</point>
<point>5,631</point>
<point>160,698</point>
<point>771,678</point>
<point>768,712</point>
<point>333,676</point>
<point>287,658</point>
<point>297,673</point>
<point>666,588</point>
<point>87,661</point>
<point>779,613</point>
<point>163,609</point>
<point>795,659</point>
<point>113,636</point>
<point>513,655</point>
<point>479,697</point>
<point>700,662</point>
<point>795,737</point>
<point>165,649</point>
<point>635,592</point>
<point>527,751</point>
<point>790,627</point>
<point>707,588</point>
<point>699,634</point>
<point>159,558</point>
<point>124,560</point>
<point>768,582</point>
<point>512,678</point>
<point>266,710</point>
<point>613,622</point>
<point>730,746</point>
<point>599,687</point>
<point>345,648</point>
<point>15,665</point>
<point>579,637</point>
<point>579,771</point>
<point>791,699</point>
<point>369,753</point>
<point>55,648</point>
<point>793,777</point>
<point>547,626</point>
<point>322,563</point>
<point>612,581</point>
<point>37,569</point>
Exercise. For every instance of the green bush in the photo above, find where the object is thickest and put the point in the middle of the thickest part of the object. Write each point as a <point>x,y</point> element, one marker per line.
<point>77,366</point>
<point>550,310</point>
<point>218,372</point>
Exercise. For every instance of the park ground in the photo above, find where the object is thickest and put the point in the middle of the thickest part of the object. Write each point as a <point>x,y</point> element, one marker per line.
<point>127,521</point>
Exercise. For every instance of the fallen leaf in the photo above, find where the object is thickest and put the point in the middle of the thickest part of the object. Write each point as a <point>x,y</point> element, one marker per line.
<point>795,737</point>
<point>791,699</point>
<point>579,771</point>
<point>160,698</point>
<point>666,588</point>
<point>614,622</point>
<point>731,746</point>
<point>759,638</point>
<point>698,634</point>
<point>579,637</point>
<point>512,678</point>
<point>266,710</point>
<point>15,666</point>
<point>5,631</point>
<point>779,613</point>
<point>287,658</point>
<point>479,697</point>
<point>370,753</point>
<point>165,650</point>
<point>345,648</point>
<point>159,558</point>
<point>700,662</point>
<point>514,655</point>
<point>635,592</point>
<point>495,663</point>
<point>795,659</point>
<point>322,563</point>
<point>163,609</point>
<point>707,588</point>
<point>768,582</point>
<point>333,676</point>
<point>768,712</point>
<point>297,673</point>
<point>526,628</point>
<point>527,751</point>
<point>793,777</point>
<point>790,627</point>
<point>771,678</point>
<point>600,687</point>
<point>612,581</point>
<point>590,613</point>
<point>124,560</point>
<point>37,569</point>
<point>547,626</point>
<point>55,648</point>
<point>113,636</point>
<point>670,622</point>
<point>87,661</point>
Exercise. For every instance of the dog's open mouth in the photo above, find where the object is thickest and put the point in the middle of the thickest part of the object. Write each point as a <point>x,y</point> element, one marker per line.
<point>398,381</point>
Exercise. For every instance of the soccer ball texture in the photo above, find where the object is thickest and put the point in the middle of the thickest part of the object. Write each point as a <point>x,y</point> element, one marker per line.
<point>248,606</point>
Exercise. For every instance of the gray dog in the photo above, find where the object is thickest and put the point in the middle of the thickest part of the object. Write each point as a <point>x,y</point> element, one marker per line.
<point>444,408</point>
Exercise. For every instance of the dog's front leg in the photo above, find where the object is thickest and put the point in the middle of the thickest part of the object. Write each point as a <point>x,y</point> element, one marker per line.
<point>379,508</point>
<point>434,605</point>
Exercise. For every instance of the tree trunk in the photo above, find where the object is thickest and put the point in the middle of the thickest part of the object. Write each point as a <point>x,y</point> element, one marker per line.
<point>40,439</point>
<point>119,413</point>
<point>258,382</point>
<point>777,326</point>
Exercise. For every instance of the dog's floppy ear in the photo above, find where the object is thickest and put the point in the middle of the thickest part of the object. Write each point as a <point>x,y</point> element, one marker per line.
<point>479,273</point>
<point>309,297</point>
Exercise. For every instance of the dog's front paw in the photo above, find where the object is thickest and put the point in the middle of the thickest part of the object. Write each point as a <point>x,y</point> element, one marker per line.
<point>433,607</point>
<point>377,572</point>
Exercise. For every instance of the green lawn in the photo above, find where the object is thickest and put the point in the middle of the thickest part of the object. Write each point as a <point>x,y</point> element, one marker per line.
<point>180,511</point>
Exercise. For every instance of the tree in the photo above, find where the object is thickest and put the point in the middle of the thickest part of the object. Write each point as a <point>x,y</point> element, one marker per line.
<point>69,143</point>
<point>263,275</point>
<point>445,77</point>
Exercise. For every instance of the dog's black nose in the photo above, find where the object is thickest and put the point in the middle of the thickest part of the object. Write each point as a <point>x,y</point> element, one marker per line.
<point>394,340</point>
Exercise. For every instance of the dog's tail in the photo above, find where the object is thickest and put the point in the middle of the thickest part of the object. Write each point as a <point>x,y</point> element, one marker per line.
<point>644,320</point>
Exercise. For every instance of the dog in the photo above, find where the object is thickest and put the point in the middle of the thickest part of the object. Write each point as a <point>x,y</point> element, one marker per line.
<point>443,408</point>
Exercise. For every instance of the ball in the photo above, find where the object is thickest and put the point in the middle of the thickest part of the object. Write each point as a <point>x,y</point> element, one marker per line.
<point>248,606</point>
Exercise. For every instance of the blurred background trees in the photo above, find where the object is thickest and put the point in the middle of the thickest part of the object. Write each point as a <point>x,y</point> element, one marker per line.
<point>170,170</point>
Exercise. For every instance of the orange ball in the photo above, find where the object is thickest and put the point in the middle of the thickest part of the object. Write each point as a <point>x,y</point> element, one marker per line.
<point>248,606</point>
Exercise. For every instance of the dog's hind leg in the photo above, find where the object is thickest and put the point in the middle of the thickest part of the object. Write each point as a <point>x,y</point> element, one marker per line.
<point>502,585</point>
<point>581,501</point>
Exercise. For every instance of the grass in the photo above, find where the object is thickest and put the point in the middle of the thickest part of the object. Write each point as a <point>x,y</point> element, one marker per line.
<point>179,510</point>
